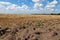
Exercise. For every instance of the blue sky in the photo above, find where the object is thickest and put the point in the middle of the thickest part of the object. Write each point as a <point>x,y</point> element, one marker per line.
<point>29,6</point>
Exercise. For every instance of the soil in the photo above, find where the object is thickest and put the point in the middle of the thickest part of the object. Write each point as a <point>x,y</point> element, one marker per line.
<point>38,27</point>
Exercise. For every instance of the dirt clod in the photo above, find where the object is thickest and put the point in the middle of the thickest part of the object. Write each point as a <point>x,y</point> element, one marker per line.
<point>29,27</point>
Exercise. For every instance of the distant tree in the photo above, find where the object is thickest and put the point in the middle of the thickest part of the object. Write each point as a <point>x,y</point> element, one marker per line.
<point>52,14</point>
<point>58,14</point>
<point>36,14</point>
<point>55,14</point>
<point>46,14</point>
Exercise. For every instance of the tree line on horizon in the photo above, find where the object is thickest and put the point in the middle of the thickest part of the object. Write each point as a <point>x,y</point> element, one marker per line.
<point>46,14</point>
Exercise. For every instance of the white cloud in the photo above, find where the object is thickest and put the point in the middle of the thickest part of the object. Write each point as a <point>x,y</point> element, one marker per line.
<point>38,0</point>
<point>6,3</point>
<point>24,7</point>
<point>37,5</point>
<point>51,4</point>
<point>35,0</point>
<point>12,8</point>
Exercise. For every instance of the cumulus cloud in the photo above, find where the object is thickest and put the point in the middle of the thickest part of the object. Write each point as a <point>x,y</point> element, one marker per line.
<point>38,0</point>
<point>35,0</point>
<point>7,6</point>
<point>6,3</point>
<point>24,7</point>
<point>12,6</point>
<point>51,4</point>
<point>36,5</point>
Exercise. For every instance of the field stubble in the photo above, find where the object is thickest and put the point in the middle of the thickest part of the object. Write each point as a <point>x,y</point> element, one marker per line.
<point>29,27</point>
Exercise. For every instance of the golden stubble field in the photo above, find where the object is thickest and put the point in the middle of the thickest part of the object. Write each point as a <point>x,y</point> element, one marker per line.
<point>29,27</point>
